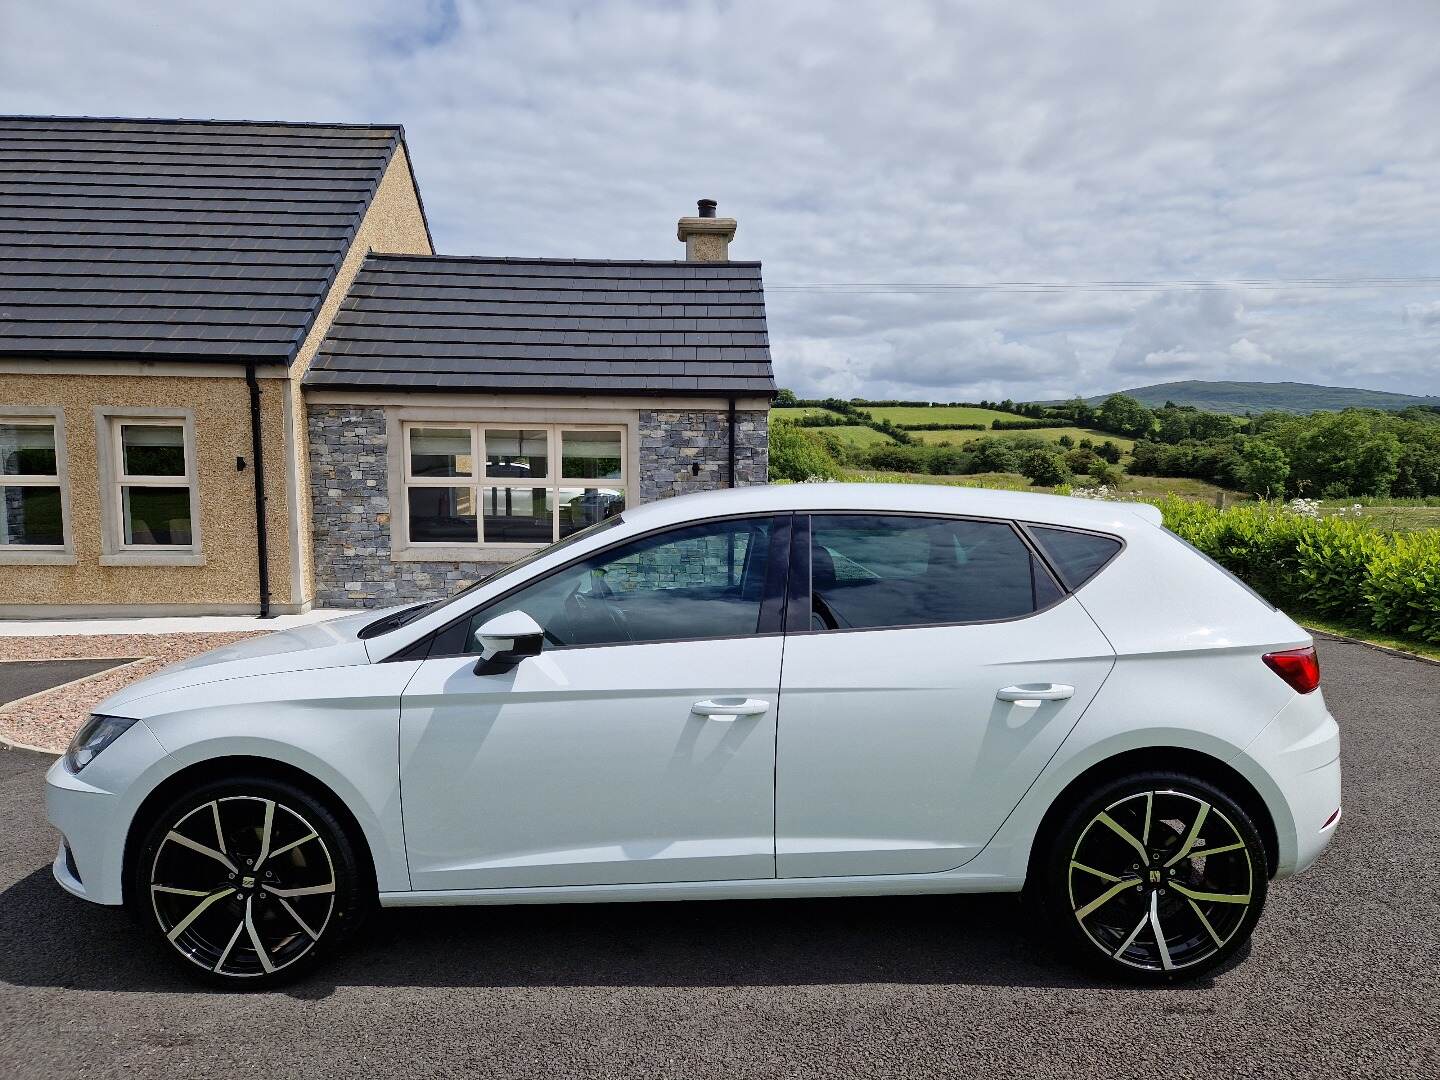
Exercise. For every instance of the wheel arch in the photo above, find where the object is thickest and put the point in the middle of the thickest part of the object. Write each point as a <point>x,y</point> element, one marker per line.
<point>1199,764</point>
<point>228,767</point>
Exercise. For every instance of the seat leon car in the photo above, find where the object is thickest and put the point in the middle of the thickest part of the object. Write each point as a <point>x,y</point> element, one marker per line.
<point>814,690</point>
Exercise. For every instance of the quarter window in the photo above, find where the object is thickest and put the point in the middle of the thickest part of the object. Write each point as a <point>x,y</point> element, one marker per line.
<point>153,479</point>
<point>30,488</point>
<point>1077,556</point>
<point>702,581</point>
<point>871,571</point>
<point>509,484</point>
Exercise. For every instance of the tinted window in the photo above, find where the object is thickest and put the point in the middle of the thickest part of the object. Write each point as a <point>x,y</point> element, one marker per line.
<point>703,581</point>
<point>1078,556</point>
<point>874,570</point>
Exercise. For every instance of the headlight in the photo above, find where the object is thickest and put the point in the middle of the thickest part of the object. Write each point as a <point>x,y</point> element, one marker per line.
<point>97,733</point>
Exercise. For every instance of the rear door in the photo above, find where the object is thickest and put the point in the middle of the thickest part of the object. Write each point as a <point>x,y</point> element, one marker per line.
<point>932,668</point>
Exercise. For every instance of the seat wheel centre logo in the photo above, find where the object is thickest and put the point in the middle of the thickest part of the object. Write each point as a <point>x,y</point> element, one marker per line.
<point>1154,877</point>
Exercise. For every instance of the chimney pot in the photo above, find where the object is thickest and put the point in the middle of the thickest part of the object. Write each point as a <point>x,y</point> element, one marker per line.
<point>707,207</point>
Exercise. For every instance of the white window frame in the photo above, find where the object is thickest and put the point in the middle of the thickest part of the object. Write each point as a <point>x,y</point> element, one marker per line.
<point>62,554</point>
<point>113,479</point>
<point>478,482</point>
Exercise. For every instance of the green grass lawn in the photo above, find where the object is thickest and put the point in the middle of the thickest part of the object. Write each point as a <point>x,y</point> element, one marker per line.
<point>1399,518</point>
<point>856,435</point>
<point>1137,488</point>
<point>939,414</point>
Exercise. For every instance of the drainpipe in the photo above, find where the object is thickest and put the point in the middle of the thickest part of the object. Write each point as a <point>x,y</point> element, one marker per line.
<point>257,455</point>
<point>732,442</point>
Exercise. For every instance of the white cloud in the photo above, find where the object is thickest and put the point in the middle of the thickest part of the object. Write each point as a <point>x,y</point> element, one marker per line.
<point>900,141</point>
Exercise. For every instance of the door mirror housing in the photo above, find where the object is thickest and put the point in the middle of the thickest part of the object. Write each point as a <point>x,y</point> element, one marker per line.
<point>506,640</point>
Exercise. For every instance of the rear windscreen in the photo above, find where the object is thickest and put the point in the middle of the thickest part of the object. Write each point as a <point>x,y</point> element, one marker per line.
<point>1077,556</point>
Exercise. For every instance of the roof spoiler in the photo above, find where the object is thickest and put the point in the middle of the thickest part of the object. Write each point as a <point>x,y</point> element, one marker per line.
<point>1148,512</point>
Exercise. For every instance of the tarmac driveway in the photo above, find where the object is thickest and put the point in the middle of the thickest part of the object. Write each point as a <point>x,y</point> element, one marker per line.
<point>1341,981</point>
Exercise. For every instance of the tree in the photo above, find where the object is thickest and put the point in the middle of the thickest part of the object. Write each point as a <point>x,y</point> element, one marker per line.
<point>798,454</point>
<point>1263,468</point>
<point>786,399</point>
<point>994,455</point>
<point>1044,468</point>
<point>1110,452</point>
<point>1123,415</point>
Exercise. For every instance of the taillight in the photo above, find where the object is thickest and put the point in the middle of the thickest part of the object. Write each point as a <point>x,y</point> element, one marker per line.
<point>1298,667</point>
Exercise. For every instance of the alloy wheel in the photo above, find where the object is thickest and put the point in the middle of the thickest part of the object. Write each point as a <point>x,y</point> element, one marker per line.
<point>243,886</point>
<point>1161,880</point>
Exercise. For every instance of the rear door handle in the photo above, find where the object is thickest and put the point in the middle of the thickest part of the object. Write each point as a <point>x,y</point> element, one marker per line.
<point>1030,695</point>
<point>728,708</point>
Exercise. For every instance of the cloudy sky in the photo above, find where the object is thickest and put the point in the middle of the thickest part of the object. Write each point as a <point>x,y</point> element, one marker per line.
<point>888,145</point>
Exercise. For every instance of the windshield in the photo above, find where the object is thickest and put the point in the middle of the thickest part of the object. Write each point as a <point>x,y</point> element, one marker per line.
<point>397,619</point>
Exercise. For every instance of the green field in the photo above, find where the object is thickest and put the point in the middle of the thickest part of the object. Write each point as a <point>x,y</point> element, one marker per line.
<point>938,414</point>
<point>958,437</point>
<point>1137,488</point>
<point>856,435</point>
<point>1399,518</point>
<point>796,414</point>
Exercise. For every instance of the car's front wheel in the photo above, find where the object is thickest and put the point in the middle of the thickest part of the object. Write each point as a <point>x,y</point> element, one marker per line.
<point>1156,876</point>
<point>248,881</point>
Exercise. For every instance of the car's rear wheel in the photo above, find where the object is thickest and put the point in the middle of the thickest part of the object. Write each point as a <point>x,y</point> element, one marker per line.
<point>1154,877</point>
<point>248,882</point>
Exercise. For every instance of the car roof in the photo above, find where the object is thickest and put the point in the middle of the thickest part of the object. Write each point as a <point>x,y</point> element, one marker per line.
<point>904,498</point>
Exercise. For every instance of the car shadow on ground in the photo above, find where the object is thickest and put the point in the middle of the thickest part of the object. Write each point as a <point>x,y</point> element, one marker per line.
<point>49,939</point>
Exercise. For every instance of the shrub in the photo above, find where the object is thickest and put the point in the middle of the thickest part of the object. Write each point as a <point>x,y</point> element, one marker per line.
<point>1044,467</point>
<point>797,454</point>
<point>1403,586</point>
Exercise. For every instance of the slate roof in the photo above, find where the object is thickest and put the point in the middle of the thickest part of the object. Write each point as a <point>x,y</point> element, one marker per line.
<point>487,325</point>
<point>176,239</point>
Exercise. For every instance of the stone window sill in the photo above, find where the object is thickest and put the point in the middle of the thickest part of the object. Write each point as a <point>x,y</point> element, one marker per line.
<point>153,558</point>
<point>37,558</point>
<point>471,553</point>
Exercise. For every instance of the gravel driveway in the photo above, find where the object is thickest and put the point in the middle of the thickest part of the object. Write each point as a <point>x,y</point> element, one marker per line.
<point>1341,981</point>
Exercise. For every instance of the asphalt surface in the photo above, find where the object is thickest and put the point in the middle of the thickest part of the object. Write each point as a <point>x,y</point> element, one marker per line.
<point>1341,980</point>
<point>21,678</point>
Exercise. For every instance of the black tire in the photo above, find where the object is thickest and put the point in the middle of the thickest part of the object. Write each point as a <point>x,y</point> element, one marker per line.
<point>248,924</point>
<point>1102,902</point>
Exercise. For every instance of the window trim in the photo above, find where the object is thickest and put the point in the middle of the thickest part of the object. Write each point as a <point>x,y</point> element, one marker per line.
<point>399,424</point>
<point>771,618</point>
<point>798,615</point>
<point>110,458</point>
<point>62,554</point>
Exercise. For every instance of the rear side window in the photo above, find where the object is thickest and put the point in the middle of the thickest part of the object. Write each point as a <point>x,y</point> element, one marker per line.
<point>1077,556</point>
<point>870,571</point>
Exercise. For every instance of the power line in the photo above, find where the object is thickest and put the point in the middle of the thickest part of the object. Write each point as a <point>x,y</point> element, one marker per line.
<point>1107,286</point>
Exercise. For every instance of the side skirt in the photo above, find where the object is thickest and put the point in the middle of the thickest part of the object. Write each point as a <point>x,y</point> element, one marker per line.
<point>753,889</point>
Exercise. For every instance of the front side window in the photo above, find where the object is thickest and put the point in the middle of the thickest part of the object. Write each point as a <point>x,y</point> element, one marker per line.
<point>509,484</point>
<point>701,581</point>
<point>153,477</point>
<point>869,571</point>
<point>30,489</point>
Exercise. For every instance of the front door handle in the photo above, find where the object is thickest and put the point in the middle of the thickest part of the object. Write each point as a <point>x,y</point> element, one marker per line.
<point>1030,695</point>
<point>728,708</point>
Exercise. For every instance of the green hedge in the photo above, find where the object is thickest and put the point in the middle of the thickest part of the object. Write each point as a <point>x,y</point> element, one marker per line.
<point>1340,567</point>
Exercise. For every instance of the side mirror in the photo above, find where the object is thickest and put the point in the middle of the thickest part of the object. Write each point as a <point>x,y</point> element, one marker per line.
<point>506,640</point>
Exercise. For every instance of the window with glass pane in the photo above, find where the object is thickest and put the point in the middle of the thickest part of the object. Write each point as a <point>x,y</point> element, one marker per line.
<point>154,488</point>
<point>152,449</point>
<point>30,497</point>
<point>523,453</point>
<point>881,570</point>
<point>517,515</point>
<point>443,515</point>
<point>702,581</point>
<point>441,452</point>
<point>590,455</point>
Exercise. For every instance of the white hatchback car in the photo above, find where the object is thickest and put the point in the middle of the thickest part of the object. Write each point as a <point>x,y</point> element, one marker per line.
<point>811,690</point>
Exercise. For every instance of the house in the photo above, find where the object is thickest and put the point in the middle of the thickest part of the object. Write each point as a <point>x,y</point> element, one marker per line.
<point>235,378</point>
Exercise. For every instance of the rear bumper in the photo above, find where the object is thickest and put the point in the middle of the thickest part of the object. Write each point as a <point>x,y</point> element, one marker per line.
<point>1295,764</point>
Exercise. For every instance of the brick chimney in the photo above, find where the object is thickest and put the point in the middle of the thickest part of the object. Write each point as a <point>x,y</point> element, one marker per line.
<point>705,236</point>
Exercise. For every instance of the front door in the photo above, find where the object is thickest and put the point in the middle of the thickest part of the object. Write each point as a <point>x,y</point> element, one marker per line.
<point>906,736</point>
<point>638,747</point>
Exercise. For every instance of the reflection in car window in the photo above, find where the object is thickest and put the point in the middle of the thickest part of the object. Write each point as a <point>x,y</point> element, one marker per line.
<point>1077,556</point>
<point>701,581</point>
<point>881,570</point>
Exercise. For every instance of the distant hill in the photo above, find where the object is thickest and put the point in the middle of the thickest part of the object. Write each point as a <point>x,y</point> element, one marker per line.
<point>1243,397</point>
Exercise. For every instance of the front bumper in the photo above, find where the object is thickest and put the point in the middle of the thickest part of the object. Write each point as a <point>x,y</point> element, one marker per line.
<point>93,811</point>
<point>1295,764</point>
